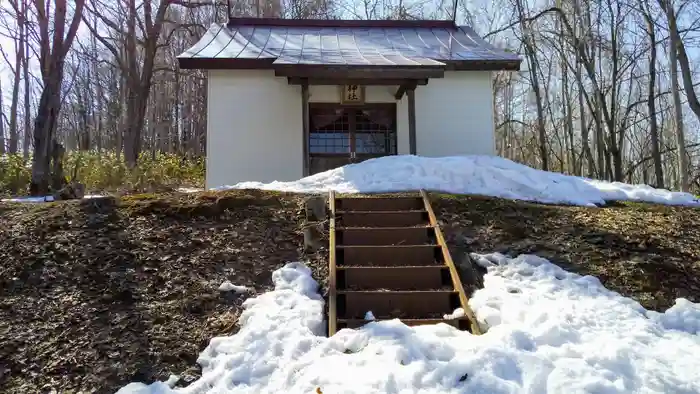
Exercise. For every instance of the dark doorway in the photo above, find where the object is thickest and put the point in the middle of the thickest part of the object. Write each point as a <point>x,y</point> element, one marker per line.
<point>339,135</point>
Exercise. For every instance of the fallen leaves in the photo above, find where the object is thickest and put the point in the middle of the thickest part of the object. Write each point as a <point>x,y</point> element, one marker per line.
<point>96,295</point>
<point>647,252</point>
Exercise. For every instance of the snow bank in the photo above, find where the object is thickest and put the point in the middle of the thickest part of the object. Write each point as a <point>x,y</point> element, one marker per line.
<point>482,175</point>
<point>43,199</point>
<point>28,199</point>
<point>550,332</point>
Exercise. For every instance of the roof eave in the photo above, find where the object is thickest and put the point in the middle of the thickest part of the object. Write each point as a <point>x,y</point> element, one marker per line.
<point>204,63</point>
<point>484,65</point>
<point>200,63</point>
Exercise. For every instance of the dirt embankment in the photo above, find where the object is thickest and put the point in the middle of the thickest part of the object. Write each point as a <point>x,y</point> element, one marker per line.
<point>96,294</point>
<point>648,252</point>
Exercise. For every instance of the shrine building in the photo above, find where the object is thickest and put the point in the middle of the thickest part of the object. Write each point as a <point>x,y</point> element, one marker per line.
<point>290,98</point>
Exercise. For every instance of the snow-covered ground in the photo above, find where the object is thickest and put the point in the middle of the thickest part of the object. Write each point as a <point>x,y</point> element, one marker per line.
<point>477,175</point>
<point>42,199</point>
<point>481,175</point>
<point>550,331</point>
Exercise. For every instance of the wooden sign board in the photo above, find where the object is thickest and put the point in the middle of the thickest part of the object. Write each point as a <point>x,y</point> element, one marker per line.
<point>352,94</point>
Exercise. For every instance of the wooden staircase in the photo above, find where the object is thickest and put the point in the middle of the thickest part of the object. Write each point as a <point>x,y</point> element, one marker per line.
<point>387,255</point>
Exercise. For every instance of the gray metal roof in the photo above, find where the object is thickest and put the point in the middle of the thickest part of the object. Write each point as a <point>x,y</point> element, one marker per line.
<point>348,46</point>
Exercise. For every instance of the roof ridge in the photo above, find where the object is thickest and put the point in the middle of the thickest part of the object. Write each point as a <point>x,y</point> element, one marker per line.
<point>359,23</point>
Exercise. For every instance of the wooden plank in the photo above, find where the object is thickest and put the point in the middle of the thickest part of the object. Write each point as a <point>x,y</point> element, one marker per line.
<point>342,81</point>
<point>352,126</point>
<point>305,125</point>
<point>359,72</point>
<point>475,329</point>
<point>404,87</point>
<point>332,311</point>
<point>357,323</point>
<point>411,93</point>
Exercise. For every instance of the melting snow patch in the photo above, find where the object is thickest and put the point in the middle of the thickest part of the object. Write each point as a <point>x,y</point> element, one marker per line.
<point>459,312</point>
<point>29,199</point>
<point>369,316</point>
<point>483,175</point>
<point>561,333</point>
<point>189,189</point>
<point>44,198</point>
<point>228,286</point>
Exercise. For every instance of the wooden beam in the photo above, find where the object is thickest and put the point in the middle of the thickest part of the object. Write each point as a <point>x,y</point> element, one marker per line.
<point>454,274</point>
<point>344,81</point>
<point>332,307</point>
<point>407,85</point>
<point>345,72</point>
<point>305,125</point>
<point>411,93</point>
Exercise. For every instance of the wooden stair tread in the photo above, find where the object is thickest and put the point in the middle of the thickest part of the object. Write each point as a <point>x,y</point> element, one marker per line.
<point>399,267</point>
<point>421,235</point>
<point>402,203</point>
<point>399,278</point>
<point>340,212</point>
<point>396,292</point>
<point>393,219</point>
<point>461,323</point>
<point>388,255</point>
<point>423,320</point>
<point>388,246</point>
<point>375,228</point>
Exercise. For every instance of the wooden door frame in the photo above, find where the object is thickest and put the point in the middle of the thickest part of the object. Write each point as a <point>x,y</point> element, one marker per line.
<point>391,107</point>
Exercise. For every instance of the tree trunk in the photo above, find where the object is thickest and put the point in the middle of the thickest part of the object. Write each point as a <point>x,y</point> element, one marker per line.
<point>533,67</point>
<point>651,100</point>
<point>2,122</point>
<point>14,103</point>
<point>52,55</point>
<point>26,141</point>
<point>44,125</point>
<point>677,105</point>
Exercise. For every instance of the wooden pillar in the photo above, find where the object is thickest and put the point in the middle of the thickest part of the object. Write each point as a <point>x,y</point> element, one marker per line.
<point>305,123</point>
<point>411,93</point>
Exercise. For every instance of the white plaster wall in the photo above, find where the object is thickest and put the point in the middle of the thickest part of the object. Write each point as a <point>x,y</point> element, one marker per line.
<point>254,128</point>
<point>331,94</point>
<point>254,122</point>
<point>454,116</point>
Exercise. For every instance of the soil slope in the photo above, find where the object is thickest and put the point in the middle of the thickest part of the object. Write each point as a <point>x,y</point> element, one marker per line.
<point>96,294</point>
<point>648,252</point>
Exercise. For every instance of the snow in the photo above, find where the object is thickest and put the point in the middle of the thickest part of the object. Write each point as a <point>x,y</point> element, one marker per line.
<point>480,175</point>
<point>189,189</point>
<point>459,312</point>
<point>550,331</point>
<point>43,198</point>
<point>228,286</point>
<point>476,175</point>
<point>29,199</point>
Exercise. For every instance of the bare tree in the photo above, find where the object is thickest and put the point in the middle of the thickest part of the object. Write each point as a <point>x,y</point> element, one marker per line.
<point>533,68</point>
<point>53,49</point>
<point>651,96</point>
<point>594,97</point>
<point>673,49</point>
